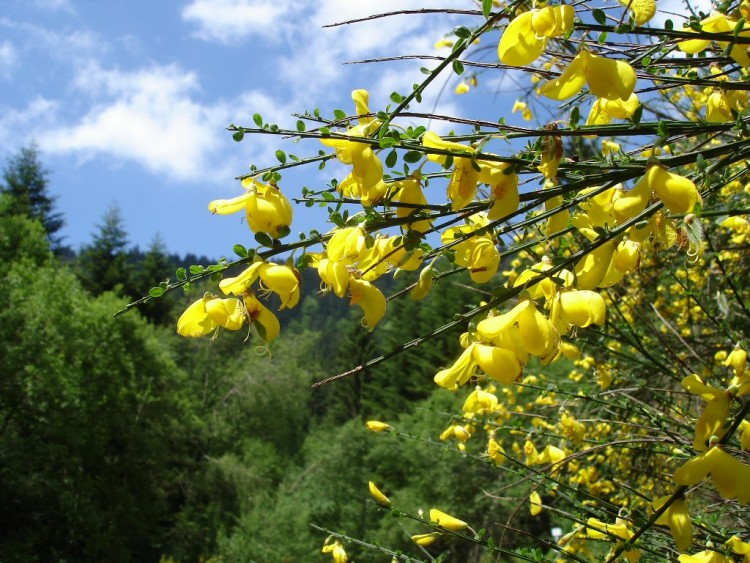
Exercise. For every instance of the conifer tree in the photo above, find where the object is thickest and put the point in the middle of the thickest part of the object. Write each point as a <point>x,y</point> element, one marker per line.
<point>25,180</point>
<point>103,265</point>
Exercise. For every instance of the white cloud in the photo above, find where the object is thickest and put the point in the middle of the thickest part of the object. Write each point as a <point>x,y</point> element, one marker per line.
<point>153,117</point>
<point>226,21</point>
<point>8,59</point>
<point>19,127</point>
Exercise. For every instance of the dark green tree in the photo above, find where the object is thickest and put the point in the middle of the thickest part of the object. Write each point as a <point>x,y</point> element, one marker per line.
<point>152,268</point>
<point>26,181</point>
<point>103,265</point>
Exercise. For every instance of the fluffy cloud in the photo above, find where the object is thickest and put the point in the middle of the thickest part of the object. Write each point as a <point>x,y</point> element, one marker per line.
<point>152,117</point>
<point>226,21</point>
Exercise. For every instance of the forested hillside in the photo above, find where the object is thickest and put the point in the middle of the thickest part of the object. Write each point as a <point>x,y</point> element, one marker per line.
<point>121,441</point>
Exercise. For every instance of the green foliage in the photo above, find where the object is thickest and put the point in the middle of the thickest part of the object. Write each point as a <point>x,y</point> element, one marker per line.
<point>103,265</point>
<point>25,182</point>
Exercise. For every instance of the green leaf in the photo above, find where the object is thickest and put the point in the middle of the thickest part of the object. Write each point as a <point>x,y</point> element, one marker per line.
<point>156,292</point>
<point>238,135</point>
<point>458,67</point>
<point>196,269</point>
<point>462,31</point>
<point>575,116</point>
<point>281,156</point>
<point>599,16</point>
<point>258,120</point>
<point>264,239</point>
<point>396,98</point>
<point>413,156</point>
<point>240,250</point>
<point>180,273</point>
<point>325,131</point>
<point>486,8</point>
<point>300,125</point>
<point>387,142</point>
<point>339,114</point>
<point>391,159</point>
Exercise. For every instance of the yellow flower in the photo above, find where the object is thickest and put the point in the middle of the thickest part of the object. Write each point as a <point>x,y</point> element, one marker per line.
<point>446,521</point>
<point>677,518</point>
<point>717,23</point>
<point>500,364</point>
<point>739,547</point>
<point>596,529</point>
<point>580,308</point>
<point>281,279</point>
<point>526,36</point>
<point>610,147</point>
<point>361,100</point>
<point>377,426</point>
<point>463,183</point>
<point>716,412</point>
<point>536,503</point>
<point>424,284</point>
<point>462,88</point>
<point>643,10</point>
<point>366,178</point>
<point>606,78</point>
<point>706,556</point>
<point>336,550</point>
<point>208,313</point>
<point>480,402</point>
<point>410,193</point>
<point>603,110</point>
<point>460,372</point>
<point>460,433</point>
<point>424,540</point>
<point>495,451</point>
<point>537,334</point>
<point>266,208</point>
<point>730,476</point>
<point>379,497</point>
<point>504,184</point>
<point>737,358</point>
<point>678,193</point>
<point>261,318</point>
<point>370,299</point>
<point>445,42</point>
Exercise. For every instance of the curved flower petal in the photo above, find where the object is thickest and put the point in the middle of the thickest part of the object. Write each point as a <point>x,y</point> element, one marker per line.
<point>370,299</point>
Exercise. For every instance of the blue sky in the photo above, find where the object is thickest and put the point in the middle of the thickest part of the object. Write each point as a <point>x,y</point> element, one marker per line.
<point>128,101</point>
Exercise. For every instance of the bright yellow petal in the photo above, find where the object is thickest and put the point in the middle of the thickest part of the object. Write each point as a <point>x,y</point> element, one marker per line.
<point>447,521</point>
<point>195,322</point>
<point>643,10</point>
<point>677,518</point>
<point>609,78</point>
<point>500,364</point>
<point>227,206</point>
<point>519,44</point>
<point>536,503</point>
<point>679,194</point>
<point>379,497</point>
<point>583,308</point>
<point>569,83</point>
<point>371,300</point>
